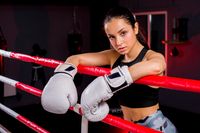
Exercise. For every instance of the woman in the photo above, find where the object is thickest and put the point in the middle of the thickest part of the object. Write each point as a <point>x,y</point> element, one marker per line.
<point>139,103</point>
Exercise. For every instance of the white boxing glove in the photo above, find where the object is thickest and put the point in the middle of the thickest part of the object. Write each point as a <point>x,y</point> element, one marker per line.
<point>101,89</point>
<point>60,92</point>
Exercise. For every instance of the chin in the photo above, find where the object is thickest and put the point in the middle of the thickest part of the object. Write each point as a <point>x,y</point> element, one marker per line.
<point>123,52</point>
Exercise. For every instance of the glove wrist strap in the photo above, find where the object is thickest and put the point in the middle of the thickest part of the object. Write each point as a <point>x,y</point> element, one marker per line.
<point>119,78</point>
<point>66,68</point>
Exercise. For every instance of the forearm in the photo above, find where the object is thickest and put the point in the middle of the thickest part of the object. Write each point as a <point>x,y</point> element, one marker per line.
<point>91,59</point>
<point>145,68</point>
<point>101,89</point>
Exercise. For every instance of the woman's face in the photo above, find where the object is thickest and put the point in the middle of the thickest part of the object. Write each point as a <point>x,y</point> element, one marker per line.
<point>121,34</point>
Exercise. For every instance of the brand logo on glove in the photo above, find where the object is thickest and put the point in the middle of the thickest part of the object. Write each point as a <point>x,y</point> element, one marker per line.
<point>69,68</point>
<point>114,75</point>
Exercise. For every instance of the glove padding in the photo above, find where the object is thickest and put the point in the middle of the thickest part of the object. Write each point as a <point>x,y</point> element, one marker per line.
<point>101,89</point>
<point>60,92</point>
<point>97,112</point>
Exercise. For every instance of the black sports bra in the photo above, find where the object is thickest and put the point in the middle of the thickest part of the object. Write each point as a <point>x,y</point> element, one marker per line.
<point>136,95</point>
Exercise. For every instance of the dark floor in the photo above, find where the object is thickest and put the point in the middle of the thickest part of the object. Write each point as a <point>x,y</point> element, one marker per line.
<point>186,122</point>
<point>70,122</point>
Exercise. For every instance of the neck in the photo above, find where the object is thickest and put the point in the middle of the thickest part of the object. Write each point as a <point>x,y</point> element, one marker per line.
<point>133,52</point>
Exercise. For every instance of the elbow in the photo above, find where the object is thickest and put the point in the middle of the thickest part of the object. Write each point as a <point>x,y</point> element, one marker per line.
<point>74,59</point>
<point>159,68</point>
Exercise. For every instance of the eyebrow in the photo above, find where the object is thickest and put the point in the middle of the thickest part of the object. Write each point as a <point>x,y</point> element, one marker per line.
<point>121,30</point>
<point>117,31</point>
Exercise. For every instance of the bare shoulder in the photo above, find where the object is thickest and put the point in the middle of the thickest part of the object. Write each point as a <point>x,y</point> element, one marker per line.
<point>108,54</point>
<point>156,58</point>
<point>153,54</point>
<point>113,56</point>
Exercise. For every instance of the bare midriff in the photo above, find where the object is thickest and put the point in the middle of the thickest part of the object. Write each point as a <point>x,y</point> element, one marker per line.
<point>135,114</point>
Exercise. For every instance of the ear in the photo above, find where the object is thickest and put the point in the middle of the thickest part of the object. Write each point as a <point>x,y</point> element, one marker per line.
<point>136,28</point>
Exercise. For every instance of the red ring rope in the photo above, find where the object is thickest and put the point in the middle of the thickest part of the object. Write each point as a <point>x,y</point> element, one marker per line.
<point>173,83</point>
<point>111,120</point>
<point>161,81</point>
<point>22,119</point>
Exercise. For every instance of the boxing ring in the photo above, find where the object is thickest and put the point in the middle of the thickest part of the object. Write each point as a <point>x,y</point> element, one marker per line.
<point>173,83</point>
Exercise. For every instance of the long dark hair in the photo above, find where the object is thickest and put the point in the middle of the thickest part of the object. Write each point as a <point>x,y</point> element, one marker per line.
<point>128,16</point>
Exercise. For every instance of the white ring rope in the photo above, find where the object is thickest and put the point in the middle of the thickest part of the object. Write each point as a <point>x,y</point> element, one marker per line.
<point>8,111</point>
<point>8,80</point>
<point>22,119</point>
<point>5,53</point>
<point>173,83</point>
<point>3,129</point>
<point>112,120</point>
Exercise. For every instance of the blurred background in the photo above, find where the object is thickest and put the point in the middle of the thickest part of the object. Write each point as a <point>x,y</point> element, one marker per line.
<point>58,29</point>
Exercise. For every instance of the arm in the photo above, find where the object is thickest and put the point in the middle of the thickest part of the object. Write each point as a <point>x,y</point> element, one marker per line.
<point>92,59</point>
<point>102,88</point>
<point>154,64</point>
<point>60,92</point>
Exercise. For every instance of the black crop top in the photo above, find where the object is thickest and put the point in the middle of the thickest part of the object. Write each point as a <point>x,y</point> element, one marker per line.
<point>136,95</point>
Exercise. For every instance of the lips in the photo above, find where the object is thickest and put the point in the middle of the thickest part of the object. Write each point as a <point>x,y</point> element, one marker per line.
<point>121,49</point>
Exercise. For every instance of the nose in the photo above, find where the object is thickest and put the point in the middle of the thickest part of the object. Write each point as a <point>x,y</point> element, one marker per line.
<point>119,41</point>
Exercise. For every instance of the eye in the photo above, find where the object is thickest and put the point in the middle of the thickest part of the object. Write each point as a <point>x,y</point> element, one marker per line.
<point>111,37</point>
<point>123,33</point>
